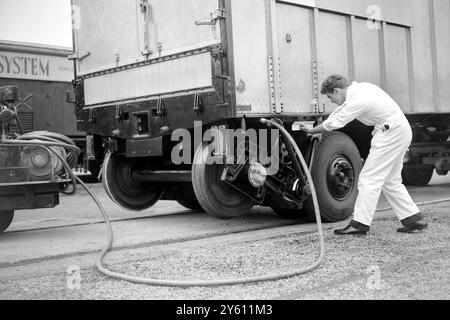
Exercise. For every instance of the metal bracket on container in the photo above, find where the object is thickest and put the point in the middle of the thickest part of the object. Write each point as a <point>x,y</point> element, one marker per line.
<point>215,16</point>
<point>118,113</point>
<point>91,118</point>
<point>144,5</point>
<point>198,103</point>
<point>146,11</point>
<point>223,77</point>
<point>147,53</point>
<point>160,107</point>
<point>78,56</point>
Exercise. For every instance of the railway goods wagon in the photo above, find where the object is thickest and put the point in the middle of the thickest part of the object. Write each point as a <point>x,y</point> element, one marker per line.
<point>147,69</point>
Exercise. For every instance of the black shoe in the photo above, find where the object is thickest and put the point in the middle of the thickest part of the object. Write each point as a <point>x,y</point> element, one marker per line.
<point>413,227</point>
<point>354,228</point>
<point>414,223</point>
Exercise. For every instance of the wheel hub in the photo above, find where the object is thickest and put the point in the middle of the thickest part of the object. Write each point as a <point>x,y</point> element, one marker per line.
<point>123,189</point>
<point>340,177</point>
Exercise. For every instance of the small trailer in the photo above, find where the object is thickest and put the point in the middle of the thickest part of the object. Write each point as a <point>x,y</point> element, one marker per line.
<point>43,75</point>
<point>32,173</point>
<point>147,69</point>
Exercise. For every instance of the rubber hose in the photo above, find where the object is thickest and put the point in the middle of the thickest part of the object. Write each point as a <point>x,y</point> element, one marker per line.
<point>171,283</point>
<point>213,283</point>
<point>196,283</point>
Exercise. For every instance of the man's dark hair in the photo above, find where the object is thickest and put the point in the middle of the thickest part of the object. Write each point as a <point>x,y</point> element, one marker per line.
<point>334,82</point>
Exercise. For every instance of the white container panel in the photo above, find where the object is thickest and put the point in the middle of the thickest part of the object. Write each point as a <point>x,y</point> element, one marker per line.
<point>106,29</point>
<point>398,11</point>
<point>251,56</point>
<point>153,79</point>
<point>367,53</point>
<point>397,66</point>
<point>294,41</point>
<point>173,25</point>
<point>333,49</point>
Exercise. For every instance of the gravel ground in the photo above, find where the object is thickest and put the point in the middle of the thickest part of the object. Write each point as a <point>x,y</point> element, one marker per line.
<point>413,266</point>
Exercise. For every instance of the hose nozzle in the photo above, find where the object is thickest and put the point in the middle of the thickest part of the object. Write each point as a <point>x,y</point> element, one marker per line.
<point>266,122</point>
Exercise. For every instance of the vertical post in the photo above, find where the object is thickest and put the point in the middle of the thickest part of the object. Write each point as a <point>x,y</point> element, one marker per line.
<point>383,62</point>
<point>434,58</point>
<point>273,57</point>
<point>315,50</point>
<point>351,47</point>
<point>228,43</point>
<point>409,48</point>
<point>74,38</point>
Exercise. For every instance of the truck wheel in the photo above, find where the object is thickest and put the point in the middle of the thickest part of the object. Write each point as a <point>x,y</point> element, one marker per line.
<point>216,197</point>
<point>6,217</point>
<point>335,171</point>
<point>123,189</point>
<point>186,197</point>
<point>417,176</point>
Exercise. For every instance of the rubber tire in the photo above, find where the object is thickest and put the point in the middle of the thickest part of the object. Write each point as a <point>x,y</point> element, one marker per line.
<point>6,218</point>
<point>332,210</point>
<point>186,197</point>
<point>415,176</point>
<point>129,194</point>
<point>216,197</point>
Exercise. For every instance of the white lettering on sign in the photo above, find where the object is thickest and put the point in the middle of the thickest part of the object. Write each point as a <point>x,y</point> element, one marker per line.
<point>35,67</point>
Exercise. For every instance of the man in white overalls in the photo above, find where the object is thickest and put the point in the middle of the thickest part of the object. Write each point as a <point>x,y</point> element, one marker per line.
<point>392,137</point>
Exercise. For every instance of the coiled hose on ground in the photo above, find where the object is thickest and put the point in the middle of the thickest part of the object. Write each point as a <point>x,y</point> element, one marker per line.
<point>52,140</point>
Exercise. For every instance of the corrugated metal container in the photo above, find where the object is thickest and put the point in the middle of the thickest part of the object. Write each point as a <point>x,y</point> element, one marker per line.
<point>406,50</point>
<point>281,51</point>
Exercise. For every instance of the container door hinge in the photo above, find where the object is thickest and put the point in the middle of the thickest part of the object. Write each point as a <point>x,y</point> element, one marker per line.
<point>223,77</point>
<point>218,52</point>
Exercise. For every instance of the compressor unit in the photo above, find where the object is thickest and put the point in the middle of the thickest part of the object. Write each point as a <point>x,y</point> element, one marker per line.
<point>31,175</point>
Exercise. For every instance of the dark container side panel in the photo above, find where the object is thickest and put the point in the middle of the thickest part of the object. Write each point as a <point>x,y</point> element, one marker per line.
<point>44,103</point>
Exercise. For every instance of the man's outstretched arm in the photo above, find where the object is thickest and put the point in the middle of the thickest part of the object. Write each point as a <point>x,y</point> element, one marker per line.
<point>317,130</point>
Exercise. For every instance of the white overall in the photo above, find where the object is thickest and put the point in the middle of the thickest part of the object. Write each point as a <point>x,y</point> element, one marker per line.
<point>391,139</point>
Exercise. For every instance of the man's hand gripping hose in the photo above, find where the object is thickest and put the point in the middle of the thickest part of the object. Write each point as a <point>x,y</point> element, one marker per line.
<point>178,283</point>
